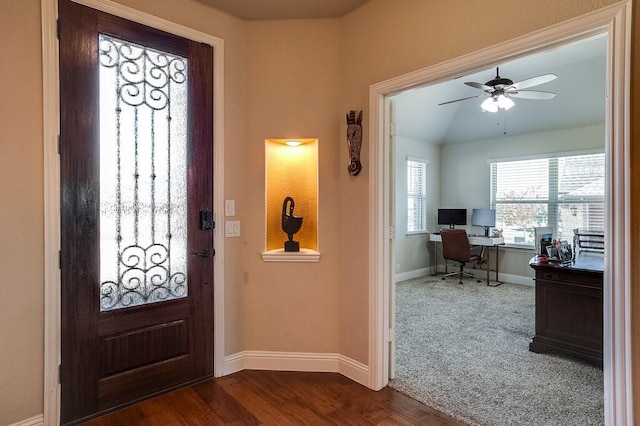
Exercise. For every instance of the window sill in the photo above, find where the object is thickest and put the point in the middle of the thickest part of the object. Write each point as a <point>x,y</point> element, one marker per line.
<point>519,246</point>
<point>302,256</point>
<point>416,234</point>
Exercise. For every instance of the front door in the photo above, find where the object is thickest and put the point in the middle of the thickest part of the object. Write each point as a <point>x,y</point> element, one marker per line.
<point>136,135</point>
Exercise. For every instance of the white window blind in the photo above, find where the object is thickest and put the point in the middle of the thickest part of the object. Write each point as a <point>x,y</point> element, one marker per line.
<point>565,193</point>
<point>416,195</point>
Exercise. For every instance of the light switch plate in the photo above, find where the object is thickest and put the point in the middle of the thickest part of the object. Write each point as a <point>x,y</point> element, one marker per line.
<point>229,207</point>
<point>232,228</point>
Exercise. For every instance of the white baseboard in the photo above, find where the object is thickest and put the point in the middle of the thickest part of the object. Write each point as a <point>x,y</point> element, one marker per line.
<point>478,273</point>
<point>354,370</point>
<point>297,361</point>
<point>504,278</point>
<point>402,276</point>
<point>517,279</point>
<point>33,421</point>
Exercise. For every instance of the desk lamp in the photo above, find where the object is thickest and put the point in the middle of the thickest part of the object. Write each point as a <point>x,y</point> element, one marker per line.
<point>485,218</point>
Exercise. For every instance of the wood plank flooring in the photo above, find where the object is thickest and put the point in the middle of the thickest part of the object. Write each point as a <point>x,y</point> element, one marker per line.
<point>277,398</point>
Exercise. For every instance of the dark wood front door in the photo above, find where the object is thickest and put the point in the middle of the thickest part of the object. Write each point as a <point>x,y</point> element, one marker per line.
<point>136,199</point>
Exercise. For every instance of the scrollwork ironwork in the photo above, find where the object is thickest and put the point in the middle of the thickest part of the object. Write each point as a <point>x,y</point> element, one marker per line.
<point>141,261</point>
<point>145,278</point>
<point>144,73</point>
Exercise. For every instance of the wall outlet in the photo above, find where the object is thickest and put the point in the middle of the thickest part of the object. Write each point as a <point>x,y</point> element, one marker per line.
<point>232,228</point>
<point>397,267</point>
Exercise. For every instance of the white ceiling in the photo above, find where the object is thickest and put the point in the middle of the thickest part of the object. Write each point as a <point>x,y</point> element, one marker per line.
<point>259,10</point>
<point>580,99</point>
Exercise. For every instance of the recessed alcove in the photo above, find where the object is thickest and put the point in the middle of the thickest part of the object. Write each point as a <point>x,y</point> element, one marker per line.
<point>291,168</point>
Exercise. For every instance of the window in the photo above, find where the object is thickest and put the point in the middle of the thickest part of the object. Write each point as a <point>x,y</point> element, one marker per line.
<point>416,195</point>
<point>144,116</point>
<point>564,192</point>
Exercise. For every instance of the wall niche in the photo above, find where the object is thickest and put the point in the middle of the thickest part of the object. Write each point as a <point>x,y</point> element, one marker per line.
<point>291,171</point>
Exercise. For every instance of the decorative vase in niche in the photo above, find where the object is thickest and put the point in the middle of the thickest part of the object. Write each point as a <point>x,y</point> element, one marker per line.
<point>290,224</point>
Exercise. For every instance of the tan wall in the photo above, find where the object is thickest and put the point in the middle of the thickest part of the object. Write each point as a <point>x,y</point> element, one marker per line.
<point>292,91</point>
<point>381,41</point>
<point>283,79</point>
<point>21,207</point>
<point>21,189</point>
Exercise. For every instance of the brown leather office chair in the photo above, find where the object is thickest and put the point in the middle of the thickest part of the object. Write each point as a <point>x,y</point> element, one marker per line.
<point>456,247</point>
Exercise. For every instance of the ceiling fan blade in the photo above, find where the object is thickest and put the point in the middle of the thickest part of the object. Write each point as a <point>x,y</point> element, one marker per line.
<point>531,94</point>
<point>480,86</point>
<point>533,81</point>
<point>461,99</point>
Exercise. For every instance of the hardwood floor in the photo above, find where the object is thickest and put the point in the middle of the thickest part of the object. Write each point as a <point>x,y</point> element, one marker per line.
<point>278,398</point>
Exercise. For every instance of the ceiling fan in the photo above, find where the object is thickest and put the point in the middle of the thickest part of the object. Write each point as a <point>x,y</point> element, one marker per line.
<point>500,90</point>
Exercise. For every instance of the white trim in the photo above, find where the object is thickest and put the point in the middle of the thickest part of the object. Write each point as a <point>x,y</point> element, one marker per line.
<point>354,370</point>
<point>616,21</point>
<point>509,278</point>
<point>297,361</point>
<point>303,256</point>
<point>233,363</point>
<point>403,276</point>
<point>416,234</point>
<point>478,273</point>
<point>33,421</point>
<point>410,189</point>
<point>618,376</point>
<point>378,223</point>
<point>51,114</point>
<point>417,159</point>
<point>544,155</point>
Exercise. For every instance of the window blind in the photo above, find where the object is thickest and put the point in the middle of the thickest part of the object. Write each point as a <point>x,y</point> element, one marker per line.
<point>565,193</point>
<point>416,195</point>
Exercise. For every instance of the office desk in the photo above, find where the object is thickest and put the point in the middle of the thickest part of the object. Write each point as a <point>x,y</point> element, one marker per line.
<point>569,308</point>
<point>474,240</point>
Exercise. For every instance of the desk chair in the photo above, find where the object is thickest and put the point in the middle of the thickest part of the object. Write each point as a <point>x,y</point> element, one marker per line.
<point>456,247</point>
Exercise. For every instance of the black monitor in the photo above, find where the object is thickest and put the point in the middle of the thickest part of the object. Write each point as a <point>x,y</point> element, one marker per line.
<point>452,217</point>
<point>485,218</point>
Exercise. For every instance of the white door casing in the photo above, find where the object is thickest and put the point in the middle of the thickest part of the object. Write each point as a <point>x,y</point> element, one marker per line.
<point>615,21</point>
<point>51,115</point>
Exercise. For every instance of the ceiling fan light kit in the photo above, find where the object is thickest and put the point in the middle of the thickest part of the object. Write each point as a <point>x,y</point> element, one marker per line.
<point>501,90</point>
<point>494,103</point>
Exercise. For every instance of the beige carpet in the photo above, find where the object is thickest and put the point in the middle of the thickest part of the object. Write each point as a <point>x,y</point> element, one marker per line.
<point>463,349</point>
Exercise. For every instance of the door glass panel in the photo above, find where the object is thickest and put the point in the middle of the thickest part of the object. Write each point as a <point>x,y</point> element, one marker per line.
<point>143,175</point>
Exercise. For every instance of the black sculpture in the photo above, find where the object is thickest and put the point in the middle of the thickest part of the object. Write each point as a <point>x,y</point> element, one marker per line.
<point>290,224</point>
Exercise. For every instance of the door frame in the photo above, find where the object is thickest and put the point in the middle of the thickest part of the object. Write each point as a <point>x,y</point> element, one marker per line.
<point>615,20</point>
<point>52,214</point>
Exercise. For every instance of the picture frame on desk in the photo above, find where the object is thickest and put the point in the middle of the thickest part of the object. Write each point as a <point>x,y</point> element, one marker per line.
<point>552,252</point>
<point>560,253</point>
<point>565,254</point>
<point>543,236</point>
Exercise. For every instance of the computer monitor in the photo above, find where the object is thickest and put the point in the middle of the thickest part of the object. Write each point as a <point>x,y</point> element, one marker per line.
<point>485,218</point>
<point>452,217</point>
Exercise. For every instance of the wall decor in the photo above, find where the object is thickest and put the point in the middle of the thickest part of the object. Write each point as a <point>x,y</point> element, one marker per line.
<point>354,141</point>
<point>290,224</point>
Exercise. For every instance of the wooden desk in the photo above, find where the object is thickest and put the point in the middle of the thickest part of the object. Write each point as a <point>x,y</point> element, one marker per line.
<point>474,240</point>
<point>569,308</point>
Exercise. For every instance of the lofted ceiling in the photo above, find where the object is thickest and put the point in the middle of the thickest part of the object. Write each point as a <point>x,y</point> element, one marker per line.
<point>580,99</point>
<point>260,10</point>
